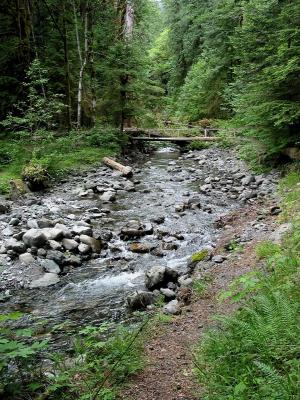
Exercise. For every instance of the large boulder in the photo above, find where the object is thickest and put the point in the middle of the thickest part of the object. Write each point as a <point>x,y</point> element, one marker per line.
<point>155,277</point>
<point>35,238</point>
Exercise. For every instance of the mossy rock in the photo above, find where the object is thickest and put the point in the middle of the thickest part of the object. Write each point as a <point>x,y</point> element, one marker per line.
<point>36,176</point>
<point>199,256</point>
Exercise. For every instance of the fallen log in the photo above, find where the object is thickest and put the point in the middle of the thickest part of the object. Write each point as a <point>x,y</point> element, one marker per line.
<point>125,171</point>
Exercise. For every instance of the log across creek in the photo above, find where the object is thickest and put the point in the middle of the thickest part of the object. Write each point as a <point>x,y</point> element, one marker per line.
<point>125,171</point>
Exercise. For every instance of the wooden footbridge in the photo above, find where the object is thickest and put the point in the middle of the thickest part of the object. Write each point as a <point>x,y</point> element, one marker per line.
<point>174,135</point>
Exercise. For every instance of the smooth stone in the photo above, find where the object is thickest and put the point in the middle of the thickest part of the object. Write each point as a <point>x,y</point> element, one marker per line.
<point>53,233</point>
<point>95,244</point>
<point>26,258</point>
<point>70,244</point>
<point>82,230</point>
<point>219,259</point>
<point>172,308</point>
<point>168,293</point>
<point>55,245</point>
<point>35,237</point>
<point>50,266</point>
<point>84,248</point>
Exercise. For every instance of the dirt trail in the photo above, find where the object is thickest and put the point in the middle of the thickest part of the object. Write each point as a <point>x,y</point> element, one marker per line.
<point>168,375</point>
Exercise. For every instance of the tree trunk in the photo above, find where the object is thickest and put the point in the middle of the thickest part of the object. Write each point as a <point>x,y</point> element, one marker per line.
<point>82,59</point>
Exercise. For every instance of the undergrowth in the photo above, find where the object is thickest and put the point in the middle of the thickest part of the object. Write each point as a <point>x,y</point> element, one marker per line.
<point>254,354</point>
<point>55,154</point>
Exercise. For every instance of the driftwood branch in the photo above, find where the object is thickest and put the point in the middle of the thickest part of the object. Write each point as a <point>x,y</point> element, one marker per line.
<point>126,171</point>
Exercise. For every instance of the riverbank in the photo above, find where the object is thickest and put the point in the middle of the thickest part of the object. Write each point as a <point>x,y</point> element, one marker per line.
<point>53,155</point>
<point>173,207</point>
<point>242,323</point>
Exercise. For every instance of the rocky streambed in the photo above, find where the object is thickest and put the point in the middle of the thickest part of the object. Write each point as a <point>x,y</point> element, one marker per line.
<point>79,253</point>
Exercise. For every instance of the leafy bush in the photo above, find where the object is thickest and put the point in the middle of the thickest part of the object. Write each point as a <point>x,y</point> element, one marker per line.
<point>35,175</point>
<point>106,137</point>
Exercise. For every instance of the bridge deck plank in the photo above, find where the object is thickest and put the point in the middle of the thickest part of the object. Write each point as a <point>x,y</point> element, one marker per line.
<point>175,139</point>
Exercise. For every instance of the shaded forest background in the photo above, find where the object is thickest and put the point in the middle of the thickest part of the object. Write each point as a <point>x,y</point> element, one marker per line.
<point>79,64</point>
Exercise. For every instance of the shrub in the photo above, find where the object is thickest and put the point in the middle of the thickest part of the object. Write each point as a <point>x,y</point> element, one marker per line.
<point>35,175</point>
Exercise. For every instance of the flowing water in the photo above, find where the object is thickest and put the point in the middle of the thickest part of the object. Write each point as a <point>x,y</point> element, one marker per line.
<point>97,290</point>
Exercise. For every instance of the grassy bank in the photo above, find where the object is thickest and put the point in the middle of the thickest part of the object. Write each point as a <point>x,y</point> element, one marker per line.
<point>55,154</point>
<point>254,354</point>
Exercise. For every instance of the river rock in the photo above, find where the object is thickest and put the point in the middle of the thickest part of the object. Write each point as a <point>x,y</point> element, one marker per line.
<point>8,231</point>
<point>50,266</point>
<point>15,245</point>
<point>32,224</point>
<point>35,238</point>
<point>140,300</point>
<point>84,248</point>
<point>154,278</point>
<point>14,222</point>
<point>82,230</point>
<point>70,244</point>
<point>141,247</point>
<point>5,207</point>
<point>95,244</point>
<point>56,256</point>
<point>26,258</point>
<point>53,233</point>
<point>45,223</point>
<point>66,232</point>
<point>168,293</point>
<point>218,259</point>
<point>55,245</point>
<point>172,308</point>
<point>108,196</point>
<point>46,280</point>
<point>185,281</point>
<point>136,229</point>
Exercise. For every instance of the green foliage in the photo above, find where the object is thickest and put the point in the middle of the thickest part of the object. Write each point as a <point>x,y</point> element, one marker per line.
<point>99,366</point>
<point>254,354</point>
<point>267,249</point>
<point>18,349</point>
<point>197,145</point>
<point>35,175</point>
<point>40,109</point>
<point>49,156</point>
<point>200,287</point>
